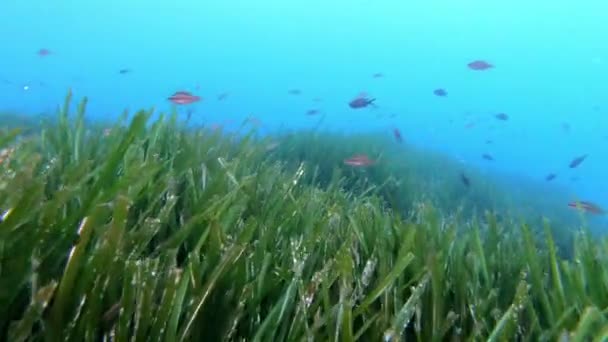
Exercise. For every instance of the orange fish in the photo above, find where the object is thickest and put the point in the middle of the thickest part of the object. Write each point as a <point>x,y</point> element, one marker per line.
<point>587,207</point>
<point>183,97</point>
<point>359,160</point>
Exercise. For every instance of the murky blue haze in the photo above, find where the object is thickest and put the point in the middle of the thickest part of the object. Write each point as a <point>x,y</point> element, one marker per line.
<point>550,58</point>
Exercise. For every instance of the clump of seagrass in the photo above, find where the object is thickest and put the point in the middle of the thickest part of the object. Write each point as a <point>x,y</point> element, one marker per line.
<point>157,232</point>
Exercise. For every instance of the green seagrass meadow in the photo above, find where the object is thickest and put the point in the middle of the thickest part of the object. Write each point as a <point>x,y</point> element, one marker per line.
<point>151,230</point>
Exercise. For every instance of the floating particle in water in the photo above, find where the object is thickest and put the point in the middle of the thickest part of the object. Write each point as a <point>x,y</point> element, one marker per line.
<point>550,177</point>
<point>222,96</point>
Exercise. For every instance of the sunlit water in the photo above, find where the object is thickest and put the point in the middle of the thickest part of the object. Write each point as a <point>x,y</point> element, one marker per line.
<point>550,58</point>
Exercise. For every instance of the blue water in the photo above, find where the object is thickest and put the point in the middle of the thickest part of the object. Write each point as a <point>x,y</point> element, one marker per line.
<point>550,57</point>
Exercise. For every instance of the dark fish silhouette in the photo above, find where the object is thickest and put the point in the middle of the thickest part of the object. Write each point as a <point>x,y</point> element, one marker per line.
<point>440,92</point>
<point>124,71</point>
<point>465,180</point>
<point>502,116</point>
<point>480,65</point>
<point>44,52</point>
<point>397,135</point>
<point>360,102</point>
<point>550,177</point>
<point>487,156</point>
<point>577,161</point>
<point>295,92</point>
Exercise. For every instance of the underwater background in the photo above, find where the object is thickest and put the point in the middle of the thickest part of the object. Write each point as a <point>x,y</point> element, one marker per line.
<point>295,65</point>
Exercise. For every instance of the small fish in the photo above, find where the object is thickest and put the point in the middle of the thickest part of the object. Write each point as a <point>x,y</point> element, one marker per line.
<point>317,99</point>
<point>359,160</point>
<point>271,146</point>
<point>124,71</point>
<point>502,116</point>
<point>378,75</point>
<point>312,112</point>
<point>489,142</point>
<point>183,97</point>
<point>470,125</point>
<point>189,113</point>
<point>223,96</point>
<point>587,207</point>
<point>479,65</point>
<point>295,92</point>
<point>487,156</point>
<point>361,101</point>
<point>465,180</point>
<point>397,135</point>
<point>253,121</point>
<point>577,161</point>
<point>440,92</point>
<point>44,52</point>
<point>566,127</point>
<point>550,177</point>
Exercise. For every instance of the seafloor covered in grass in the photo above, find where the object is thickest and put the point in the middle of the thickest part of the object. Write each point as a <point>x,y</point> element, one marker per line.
<point>150,231</point>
